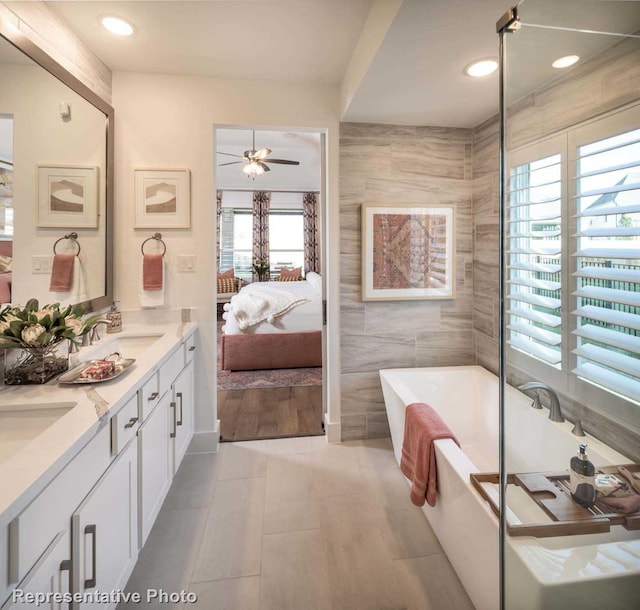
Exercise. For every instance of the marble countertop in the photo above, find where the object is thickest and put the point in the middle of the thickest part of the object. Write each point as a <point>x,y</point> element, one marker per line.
<point>26,472</point>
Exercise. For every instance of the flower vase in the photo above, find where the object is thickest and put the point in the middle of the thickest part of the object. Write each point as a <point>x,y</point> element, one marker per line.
<point>30,365</point>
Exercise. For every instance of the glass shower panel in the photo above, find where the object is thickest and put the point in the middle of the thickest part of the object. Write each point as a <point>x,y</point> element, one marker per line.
<point>570,317</point>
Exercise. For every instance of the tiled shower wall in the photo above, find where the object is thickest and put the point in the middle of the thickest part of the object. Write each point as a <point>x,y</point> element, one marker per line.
<point>400,164</point>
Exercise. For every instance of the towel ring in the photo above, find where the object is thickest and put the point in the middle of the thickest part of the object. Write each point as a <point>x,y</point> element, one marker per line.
<point>157,237</point>
<point>73,237</point>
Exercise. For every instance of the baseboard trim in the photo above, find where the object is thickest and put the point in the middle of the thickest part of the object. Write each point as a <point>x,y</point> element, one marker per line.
<point>333,431</point>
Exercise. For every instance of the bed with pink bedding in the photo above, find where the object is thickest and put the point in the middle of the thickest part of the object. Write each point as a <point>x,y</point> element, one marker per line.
<point>289,340</point>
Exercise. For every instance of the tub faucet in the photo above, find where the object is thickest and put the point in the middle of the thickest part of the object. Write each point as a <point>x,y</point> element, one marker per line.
<point>555,413</point>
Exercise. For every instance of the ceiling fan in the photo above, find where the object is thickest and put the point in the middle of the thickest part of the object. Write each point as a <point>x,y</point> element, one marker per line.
<point>256,160</point>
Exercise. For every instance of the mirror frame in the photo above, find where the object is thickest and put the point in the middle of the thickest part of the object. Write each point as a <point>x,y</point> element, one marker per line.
<point>15,37</point>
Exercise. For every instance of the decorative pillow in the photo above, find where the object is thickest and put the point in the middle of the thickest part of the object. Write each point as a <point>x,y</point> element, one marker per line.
<point>315,280</point>
<point>227,284</point>
<point>229,273</point>
<point>5,263</point>
<point>290,275</point>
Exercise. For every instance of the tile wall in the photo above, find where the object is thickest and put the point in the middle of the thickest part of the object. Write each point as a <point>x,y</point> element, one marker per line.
<point>400,164</point>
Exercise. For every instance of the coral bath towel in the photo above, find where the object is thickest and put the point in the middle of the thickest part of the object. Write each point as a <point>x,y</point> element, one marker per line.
<point>62,272</point>
<point>422,426</point>
<point>152,272</point>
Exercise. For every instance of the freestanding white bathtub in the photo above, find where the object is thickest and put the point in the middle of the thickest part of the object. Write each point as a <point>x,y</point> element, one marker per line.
<point>586,571</point>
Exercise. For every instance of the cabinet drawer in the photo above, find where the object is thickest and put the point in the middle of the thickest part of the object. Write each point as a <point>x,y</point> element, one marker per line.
<point>171,369</point>
<point>31,532</point>
<point>189,348</point>
<point>124,425</point>
<point>149,396</point>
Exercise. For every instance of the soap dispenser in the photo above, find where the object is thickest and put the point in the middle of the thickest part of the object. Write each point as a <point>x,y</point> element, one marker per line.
<point>115,320</point>
<point>582,479</point>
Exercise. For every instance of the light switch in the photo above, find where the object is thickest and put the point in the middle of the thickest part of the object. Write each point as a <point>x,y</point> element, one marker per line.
<point>186,263</point>
<point>41,264</point>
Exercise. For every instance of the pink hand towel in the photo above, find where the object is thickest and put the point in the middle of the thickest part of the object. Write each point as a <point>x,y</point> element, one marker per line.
<point>422,426</point>
<point>62,272</point>
<point>152,272</point>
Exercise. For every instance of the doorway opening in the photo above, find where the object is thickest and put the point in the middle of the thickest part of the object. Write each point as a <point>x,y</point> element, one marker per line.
<point>270,285</point>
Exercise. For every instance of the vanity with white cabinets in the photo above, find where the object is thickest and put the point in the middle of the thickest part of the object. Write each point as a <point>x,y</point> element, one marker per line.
<point>84,469</point>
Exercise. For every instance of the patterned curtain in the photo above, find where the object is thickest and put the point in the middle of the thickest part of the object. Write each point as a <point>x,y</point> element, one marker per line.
<point>311,245</point>
<point>261,203</point>
<point>218,222</point>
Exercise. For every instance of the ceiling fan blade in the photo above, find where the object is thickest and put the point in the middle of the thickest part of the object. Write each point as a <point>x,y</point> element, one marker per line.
<point>261,154</point>
<point>283,161</point>
<point>266,168</point>
<point>230,163</point>
<point>228,154</point>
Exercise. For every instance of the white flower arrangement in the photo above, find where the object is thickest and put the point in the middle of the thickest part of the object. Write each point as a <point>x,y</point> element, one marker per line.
<point>30,326</point>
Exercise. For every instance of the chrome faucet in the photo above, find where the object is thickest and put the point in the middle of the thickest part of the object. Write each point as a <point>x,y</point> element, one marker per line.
<point>555,413</point>
<point>91,337</point>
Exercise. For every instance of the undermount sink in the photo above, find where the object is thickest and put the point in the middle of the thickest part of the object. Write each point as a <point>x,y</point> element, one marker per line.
<point>129,346</point>
<point>21,423</point>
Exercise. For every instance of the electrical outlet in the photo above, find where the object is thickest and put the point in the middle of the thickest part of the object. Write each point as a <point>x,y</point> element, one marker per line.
<point>186,263</point>
<point>41,264</point>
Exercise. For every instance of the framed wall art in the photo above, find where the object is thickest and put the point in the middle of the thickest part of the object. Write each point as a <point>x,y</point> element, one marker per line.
<point>162,198</point>
<point>68,196</point>
<point>408,252</point>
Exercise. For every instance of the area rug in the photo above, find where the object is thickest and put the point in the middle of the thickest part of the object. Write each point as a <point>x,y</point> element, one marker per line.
<point>276,378</point>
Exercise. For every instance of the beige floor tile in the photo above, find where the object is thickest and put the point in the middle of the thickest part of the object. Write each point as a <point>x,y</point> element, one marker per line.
<point>285,446</point>
<point>227,594</point>
<point>294,572</point>
<point>290,502</point>
<point>431,584</point>
<point>232,537</point>
<point>167,559</point>
<point>336,470</point>
<point>360,567</point>
<point>408,533</point>
<point>243,460</point>
<point>194,482</point>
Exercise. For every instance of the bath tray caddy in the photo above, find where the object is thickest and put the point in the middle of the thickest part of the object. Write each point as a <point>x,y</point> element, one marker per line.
<point>550,491</point>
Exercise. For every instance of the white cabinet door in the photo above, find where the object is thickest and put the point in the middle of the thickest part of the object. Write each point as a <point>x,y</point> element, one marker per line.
<point>51,576</point>
<point>183,421</point>
<point>105,530</point>
<point>154,464</point>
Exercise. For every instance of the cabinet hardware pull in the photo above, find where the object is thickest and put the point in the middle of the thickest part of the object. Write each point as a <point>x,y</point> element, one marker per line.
<point>192,348</point>
<point>153,396</point>
<point>89,583</point>
<point>173,406</point>
<point>179,421</point>
<point>131,423</point>
<point>65,566</point>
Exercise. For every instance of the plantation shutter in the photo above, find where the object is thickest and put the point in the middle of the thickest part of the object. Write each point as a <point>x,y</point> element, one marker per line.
<point>606,201</point>
<point>534,259</point>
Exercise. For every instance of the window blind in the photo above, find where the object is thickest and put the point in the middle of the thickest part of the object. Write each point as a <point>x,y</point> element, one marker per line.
<point>534,259</point>
<point>607,263</point>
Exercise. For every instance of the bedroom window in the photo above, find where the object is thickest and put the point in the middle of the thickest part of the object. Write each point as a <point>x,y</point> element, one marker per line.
<point>236,241</point>
<point>286,240</point>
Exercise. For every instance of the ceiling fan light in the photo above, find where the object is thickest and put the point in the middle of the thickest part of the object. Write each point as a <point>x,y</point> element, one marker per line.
<point>253,169</point>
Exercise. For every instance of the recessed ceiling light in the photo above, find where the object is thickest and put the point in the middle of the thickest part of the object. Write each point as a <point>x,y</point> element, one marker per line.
<point>481,67</point>
<point>566,61</point>
<point>117,26</point>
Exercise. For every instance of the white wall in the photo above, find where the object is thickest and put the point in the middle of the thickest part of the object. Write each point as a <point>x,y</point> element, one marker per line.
<point>165,121</point>
<point>42,137</point>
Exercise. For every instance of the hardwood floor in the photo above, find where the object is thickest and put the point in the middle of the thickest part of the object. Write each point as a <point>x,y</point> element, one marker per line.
<point>270,412</point>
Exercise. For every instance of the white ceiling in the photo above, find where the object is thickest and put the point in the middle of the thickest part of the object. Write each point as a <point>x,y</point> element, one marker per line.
<point>415,77</point>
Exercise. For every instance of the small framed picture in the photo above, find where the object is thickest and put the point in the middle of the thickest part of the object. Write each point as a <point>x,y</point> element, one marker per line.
<point>408,252</point>
<point>162,198</point>
<point>68,196</point>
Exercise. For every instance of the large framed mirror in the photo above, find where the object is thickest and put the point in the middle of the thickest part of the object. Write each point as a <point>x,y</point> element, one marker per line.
<point>56,179</point>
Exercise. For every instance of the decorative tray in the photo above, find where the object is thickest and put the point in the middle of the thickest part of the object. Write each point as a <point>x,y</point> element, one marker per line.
<point>73,376</point>
<point>550,491</point>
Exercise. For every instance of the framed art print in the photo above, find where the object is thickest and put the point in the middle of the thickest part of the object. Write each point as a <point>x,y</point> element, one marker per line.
<point>162,198</point>
<point>67,196</point>
<point>408,252</point>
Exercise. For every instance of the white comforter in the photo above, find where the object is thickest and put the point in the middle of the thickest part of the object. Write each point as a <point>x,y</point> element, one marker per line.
<point>301,310</point>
